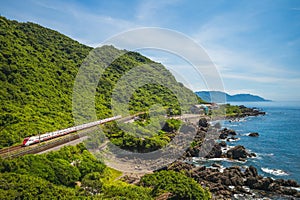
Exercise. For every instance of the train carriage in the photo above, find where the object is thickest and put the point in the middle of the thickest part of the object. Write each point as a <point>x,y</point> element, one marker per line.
<point>48,136</point>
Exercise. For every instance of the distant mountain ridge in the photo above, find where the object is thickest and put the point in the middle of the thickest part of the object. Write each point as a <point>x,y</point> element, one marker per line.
<point>218,96</point>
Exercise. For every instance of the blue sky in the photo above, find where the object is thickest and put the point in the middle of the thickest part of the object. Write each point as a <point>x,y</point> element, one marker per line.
<point>254,44</point>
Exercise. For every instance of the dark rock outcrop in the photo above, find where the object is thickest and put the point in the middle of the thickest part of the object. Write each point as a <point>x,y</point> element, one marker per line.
<point>250,111</point>
<point>180,166</point>
<point>216,165</point>
<point>254,134</point>
<point>224,133</point>
<point>231,132</point>
<point>251,172</point>
<point>223,144</point>
<point>232,138</point>
<point>287,183</point>
<point>220,182</point>
<point>203,122</point>
<point>193,151</point>
<point>216,152</point>
<point>223,136</point>
<point>238,152</point>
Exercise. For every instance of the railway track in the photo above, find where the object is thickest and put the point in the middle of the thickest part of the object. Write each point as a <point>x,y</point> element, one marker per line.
<point>57,138</point>
<point>19,150</point>
<point>10,149</point>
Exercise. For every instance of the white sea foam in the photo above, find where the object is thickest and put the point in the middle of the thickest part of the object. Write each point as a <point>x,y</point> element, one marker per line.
<point>276,172</point>
<point>236,161</point>
<point>267,154</point>
<point>199,159</point>
<point>246,134</point>
<point>260,156</point>
<point>234,140</point>
<point>246,188</point>
<point>295,188</point>
<point>226,160</point>
<point>217,159</point>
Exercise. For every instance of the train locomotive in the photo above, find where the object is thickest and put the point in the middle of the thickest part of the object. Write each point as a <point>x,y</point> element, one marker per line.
<point>48,136</point>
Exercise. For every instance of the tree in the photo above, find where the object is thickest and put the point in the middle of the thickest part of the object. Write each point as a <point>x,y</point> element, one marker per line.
<point>92,183</point>
<point>181,186</point>
<point>65,173</point>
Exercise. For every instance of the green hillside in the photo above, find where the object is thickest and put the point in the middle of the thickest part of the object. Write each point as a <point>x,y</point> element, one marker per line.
<point>38,69</point>
<point>51,176</point>
<point>38,66</point>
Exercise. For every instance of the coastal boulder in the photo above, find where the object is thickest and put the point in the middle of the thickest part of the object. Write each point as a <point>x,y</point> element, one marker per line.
<point>232,138</point>
<point>192,152</point>
<point>287,183</point>
<point>203,122</point>
<point>250,181</point>
<point>263,184</point>
<point>237,152</point>
<point>200,135</point>
<point>251,172</point>
<point>226,132</point>
<point>291,183</point>
<point>180,166</point>
<point>216,152</point>
<point>231,132</point>
<point>223,144</point>
<point>254,134</point>
<point>237,181</point>
<point>216,165</point>
<point>223,136</point>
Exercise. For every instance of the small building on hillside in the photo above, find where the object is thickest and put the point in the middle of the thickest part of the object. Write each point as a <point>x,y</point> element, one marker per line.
<point>203,108</point>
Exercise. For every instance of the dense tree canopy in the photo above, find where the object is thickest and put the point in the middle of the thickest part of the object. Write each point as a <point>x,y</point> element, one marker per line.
<point>38,67</point>
<point>55,176</point>
<point>179,185</point>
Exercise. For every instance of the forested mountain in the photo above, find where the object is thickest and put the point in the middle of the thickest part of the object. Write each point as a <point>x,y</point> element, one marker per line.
<point>38,66</point>
<point>38,69</point>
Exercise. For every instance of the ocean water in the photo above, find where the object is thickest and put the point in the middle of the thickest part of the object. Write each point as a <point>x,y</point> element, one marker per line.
<point>278,144</point>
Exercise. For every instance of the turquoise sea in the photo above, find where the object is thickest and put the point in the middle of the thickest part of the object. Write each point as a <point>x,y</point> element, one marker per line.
<point>278,144</point>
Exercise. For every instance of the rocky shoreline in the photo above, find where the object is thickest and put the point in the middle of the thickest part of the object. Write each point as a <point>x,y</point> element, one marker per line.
<point>235,182</point>
<point>232,182</point>
<point>246,112</point>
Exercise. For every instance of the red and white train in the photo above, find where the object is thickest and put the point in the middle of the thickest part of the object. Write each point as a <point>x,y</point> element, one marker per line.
<point>48,136</point>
